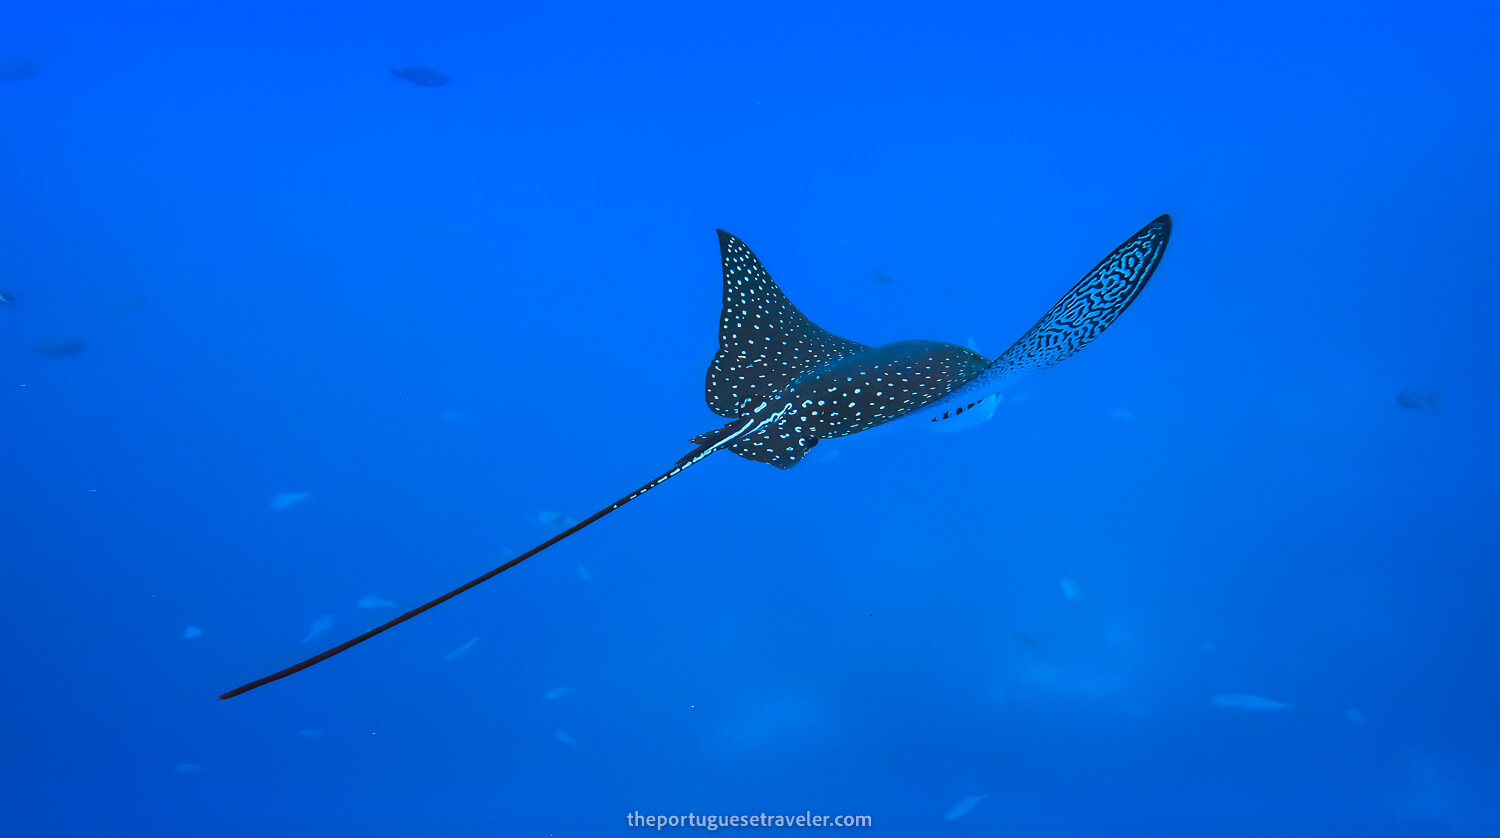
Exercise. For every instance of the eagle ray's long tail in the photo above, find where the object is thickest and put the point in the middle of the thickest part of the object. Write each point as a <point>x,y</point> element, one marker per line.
<point>696,455</point>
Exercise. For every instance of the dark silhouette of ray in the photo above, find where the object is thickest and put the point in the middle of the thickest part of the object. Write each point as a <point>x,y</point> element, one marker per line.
<point>784,383</point>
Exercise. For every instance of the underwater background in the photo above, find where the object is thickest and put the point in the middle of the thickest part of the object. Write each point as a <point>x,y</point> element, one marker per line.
<point>291,343</point>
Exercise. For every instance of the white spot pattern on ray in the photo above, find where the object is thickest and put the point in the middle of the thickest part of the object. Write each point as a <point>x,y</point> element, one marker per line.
<point>764,341</point>
<point>820,386</point>
<point>856,393</point>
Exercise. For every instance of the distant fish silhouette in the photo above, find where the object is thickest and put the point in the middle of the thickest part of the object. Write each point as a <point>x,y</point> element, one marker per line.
<point>320,625</point>
<point>1412,400</point>
<point>58,347</point>
<point>287,500</point>
<point>457,653</point>
<point>425,76</point>
<point>564,737</point>
<point>1243,701</point>
<point>191,632</point>
<point>784,384</point>
<point>557,692</point>
<point>372,601</point>
<point>1021,638</point>
<point>5,299</point>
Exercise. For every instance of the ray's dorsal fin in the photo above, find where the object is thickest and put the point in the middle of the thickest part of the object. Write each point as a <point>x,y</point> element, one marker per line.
<point>764,341</point>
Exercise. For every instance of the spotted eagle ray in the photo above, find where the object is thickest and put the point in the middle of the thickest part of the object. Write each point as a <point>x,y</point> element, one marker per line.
<point>784,384</point>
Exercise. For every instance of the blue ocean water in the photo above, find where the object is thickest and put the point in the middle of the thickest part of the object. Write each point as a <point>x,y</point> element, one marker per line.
<point>1216,575</point>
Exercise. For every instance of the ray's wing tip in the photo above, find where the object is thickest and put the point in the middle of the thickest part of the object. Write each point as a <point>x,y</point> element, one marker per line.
<point>1163,223</point>
<point>724,236</point>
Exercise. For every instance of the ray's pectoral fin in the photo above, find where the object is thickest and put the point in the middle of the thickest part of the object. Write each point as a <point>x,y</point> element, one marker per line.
<point>1082,314</point>
<point>765,342</point>
<point>1093,304</point>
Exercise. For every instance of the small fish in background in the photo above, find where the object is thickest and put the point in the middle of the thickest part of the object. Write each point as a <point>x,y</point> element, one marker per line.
<point>833,454</point>
<point>312,733</point>
<point>1206,645</point>
<point>566,739</point>
<point>1021,638</point>
<point>883,278</point>
<point>287,500</point>
<point>557,692</point>
<point>1243,701</point>
<point>1412,400</point>
<point>58,347</point>
<point>1355,715</point>
<point>1122,414</point>
<point>17,70</point>
<point>425,76</point>
<point>1069,588</point>
<point>191,632</point>
<point>320,625</point>
<point>583,573</point>
<point>372,601</point>
<point>963,806</point>
<point>456,653</point>
<point>187,767</point>
<point>5,298</point>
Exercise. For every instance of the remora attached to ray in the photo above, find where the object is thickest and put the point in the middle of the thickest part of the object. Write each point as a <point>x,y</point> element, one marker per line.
<point>784,383</point>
